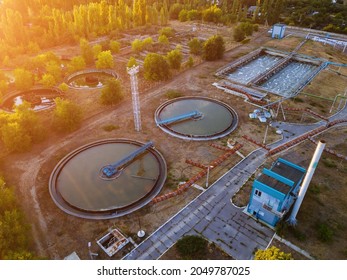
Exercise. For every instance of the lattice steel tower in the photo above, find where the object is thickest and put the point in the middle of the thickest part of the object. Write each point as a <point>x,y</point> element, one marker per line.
<point>132,71</point>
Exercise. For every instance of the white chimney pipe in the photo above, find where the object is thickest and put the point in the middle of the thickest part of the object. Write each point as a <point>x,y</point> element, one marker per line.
<point>311,169</point>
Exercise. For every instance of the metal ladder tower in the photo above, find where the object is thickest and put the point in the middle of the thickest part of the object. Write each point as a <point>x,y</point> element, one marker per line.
<point>132,71</point>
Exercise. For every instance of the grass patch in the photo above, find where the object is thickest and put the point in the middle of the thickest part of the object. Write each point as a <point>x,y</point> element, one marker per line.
<point>329,163</point>
<point>325,232</point>
<point>192,247</point>
<point>110,127</point>
<point>171,94</point>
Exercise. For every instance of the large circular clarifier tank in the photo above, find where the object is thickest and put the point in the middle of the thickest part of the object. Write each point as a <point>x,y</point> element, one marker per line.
<point>216,119</point>
<point>78,189</point>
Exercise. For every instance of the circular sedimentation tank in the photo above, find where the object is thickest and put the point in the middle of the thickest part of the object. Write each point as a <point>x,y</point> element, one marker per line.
<point>78,187</point>
<point>90,78</point>
<point>213,119</point>
<point>39,98</point>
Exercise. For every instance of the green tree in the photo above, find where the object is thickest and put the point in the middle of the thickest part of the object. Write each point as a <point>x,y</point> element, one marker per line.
<point>137,46</point>
<point>29,122</point>
<point>114,46</point>
<point>214,48</point>
<point>112,93</point>
<point>272,253</point>
<point>195,46</point>
<point>14,137</point>
<point>96,50</point>
<point>86,51</point>
<point>174,58</point>
<point>132,62</point>
<point>192,247</point>
<point>167,31</point>
<point>67,115</point>
<point>147,43</point>
<point>23,79</point>
<point>14,231</point>
<point>53,68</point>
<point>7,198</point>
<point>63,87</point>
<point>183,15</point>
<point>156,67</point>
<point>48,80</point>
<point>162,39</point>
<point>77,63</point>
<point>175,10</point>
<point>239,34</point>
<point>105,60</point>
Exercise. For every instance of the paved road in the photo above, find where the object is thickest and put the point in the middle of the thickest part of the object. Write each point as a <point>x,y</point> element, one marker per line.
<point>213,216</point>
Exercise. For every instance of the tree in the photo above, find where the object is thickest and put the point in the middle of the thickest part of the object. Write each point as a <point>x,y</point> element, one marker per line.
<point>156,67</point>
<point>112,93</point>
<point>137,45</point>
<point>190,62</point>
<point>105,60</point>
<point>86,51</point>
<point>63,87</point>
<point>29,121</point>
<point>147,43</point>
<point>53,68</point>
<point>167,31</point>
<point>132,62</point>
<point>96,50</point>
<point>174,58</point>
<point>239,34</point>
<point>195,46</point>
<point>114,46</point>
<point>192,247</point>
<point>67,116</point>
<point>7,198</point>
<point>48,80</point>
<point>272,253</point>
<point>23,79</point>
<point>183,15</point>
<point>163,40</point>
<point>77,63</point>
<point>214,48</point>
<point>15,138</point>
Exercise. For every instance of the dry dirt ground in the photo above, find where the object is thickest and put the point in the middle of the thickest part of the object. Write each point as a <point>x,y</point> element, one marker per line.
<point>57,234</point>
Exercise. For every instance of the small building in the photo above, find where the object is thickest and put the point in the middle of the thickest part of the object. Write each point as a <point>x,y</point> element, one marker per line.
<point>274,191</point>
<point>278,31</point>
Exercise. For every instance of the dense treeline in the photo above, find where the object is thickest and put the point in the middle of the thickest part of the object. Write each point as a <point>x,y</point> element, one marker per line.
<point>322,14</point>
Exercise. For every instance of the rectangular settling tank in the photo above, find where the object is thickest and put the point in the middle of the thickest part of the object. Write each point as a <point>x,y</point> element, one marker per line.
<point>290,78</point>
<point>247,72</point>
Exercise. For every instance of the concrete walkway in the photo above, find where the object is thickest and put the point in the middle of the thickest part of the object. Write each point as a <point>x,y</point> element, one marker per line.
<point>213,216</point>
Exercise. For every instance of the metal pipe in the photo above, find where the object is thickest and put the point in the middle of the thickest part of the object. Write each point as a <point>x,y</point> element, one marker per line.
<point>311,169</point>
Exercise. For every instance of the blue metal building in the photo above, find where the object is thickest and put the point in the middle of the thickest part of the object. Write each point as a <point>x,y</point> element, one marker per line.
<point>278,31</point>
<point>274,191</point>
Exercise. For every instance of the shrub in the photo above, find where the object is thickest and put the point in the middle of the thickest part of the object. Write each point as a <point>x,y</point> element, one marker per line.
<point>167,31</point>
<point>272,253</point>
<point>174,58</point>
<point>114,46</point>
<point>110,127</point>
